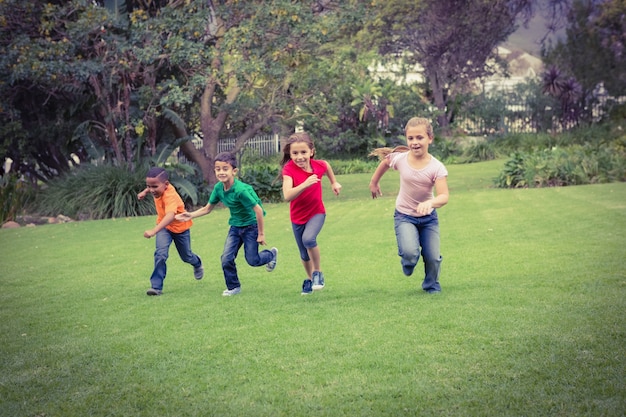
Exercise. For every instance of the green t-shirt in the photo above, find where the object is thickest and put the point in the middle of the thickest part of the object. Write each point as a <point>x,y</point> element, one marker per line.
<point>240,200</point>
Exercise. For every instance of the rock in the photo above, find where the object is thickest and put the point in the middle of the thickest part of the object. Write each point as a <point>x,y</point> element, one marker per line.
<point>10,225</point>
<point>63,219</point>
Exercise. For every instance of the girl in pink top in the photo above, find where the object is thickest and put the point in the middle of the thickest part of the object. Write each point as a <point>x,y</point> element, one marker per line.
<point>415,218</point>
<point>302,187</point>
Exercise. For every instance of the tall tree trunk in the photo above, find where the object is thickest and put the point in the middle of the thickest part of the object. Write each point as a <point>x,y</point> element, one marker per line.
<point>440,102</point>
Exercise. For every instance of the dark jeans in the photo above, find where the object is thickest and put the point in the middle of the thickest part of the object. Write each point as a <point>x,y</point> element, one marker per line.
<point>164,239</point>
<point>236,237</point>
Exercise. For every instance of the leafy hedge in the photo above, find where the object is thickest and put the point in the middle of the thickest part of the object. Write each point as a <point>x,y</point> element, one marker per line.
<point>574,165</point>
<point>15,195</point>
<point>95,192</point>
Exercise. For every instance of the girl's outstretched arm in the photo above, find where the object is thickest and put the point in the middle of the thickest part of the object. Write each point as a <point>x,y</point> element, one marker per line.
<point>333,181</point>
<point>378,174</point>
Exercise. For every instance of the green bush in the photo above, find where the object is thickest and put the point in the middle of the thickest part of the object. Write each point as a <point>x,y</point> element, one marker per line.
<point>574,165</point>
<point>353,166</point>
<point>445,150</point>
<point>481,151</point>
<point>264,177</point>
<point>95,192</point>
<point>15,195</point>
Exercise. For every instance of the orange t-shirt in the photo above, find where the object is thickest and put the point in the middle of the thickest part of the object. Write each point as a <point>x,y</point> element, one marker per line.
<point>169,202</point>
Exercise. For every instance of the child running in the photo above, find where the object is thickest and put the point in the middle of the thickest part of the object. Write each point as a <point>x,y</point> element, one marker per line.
<point>415,219</point>
<point>302,187</point>
<point>168,203</point>
<point>246,222</point>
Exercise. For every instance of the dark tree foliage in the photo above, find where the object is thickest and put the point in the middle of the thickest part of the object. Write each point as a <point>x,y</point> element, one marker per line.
<point>453,40</point>
<point>594,49</point>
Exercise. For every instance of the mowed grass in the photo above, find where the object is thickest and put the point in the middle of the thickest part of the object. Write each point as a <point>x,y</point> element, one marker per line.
<point>531,320</point>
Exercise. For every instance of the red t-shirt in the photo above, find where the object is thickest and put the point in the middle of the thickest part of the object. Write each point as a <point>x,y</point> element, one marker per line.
<point>309,202</point>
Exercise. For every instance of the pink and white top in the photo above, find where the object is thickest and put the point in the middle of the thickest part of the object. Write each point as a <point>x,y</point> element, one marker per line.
<point>416,185</point>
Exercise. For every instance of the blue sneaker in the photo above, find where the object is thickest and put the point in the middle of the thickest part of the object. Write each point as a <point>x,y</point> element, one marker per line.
<point>318,280</point>
<point>307,287</point>
<point>269,267</point>
<point>408,270</point>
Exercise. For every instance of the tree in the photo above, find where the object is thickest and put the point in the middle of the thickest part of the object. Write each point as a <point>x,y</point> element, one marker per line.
<point>236,65</point>
<point>453,40</point>
<point>594,51</point>
<point>69,86</point>
<point>226,68</point>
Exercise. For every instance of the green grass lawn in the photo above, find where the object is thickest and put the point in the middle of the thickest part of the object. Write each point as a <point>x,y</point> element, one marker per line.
<point>531,320</point>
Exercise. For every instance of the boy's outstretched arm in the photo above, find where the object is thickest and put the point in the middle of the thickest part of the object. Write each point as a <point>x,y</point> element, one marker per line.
<point>200,212</point>
<point>167,219</point>
<point>258,211</point>
<point>142,194</point>
<point>378,174</point>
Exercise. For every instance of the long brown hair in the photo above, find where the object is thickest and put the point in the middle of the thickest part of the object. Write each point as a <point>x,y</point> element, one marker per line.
<point>294,138</point>
<point>381,153</point>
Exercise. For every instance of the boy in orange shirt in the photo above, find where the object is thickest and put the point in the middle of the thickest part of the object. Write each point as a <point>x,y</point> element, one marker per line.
<point>168,204</point>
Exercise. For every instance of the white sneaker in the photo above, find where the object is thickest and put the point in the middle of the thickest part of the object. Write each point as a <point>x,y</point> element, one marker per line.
<point>228,293</point>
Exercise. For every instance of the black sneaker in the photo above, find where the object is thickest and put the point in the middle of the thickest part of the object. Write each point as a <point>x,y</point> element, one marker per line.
<point>198,271</point>
<point>307,287</point>
<point>408,270</point>
<point>153,291</point>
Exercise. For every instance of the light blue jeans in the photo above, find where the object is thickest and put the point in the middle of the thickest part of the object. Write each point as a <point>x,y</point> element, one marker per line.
<point>238,236</point>
<point>413,233</point>
<point>164,239</point>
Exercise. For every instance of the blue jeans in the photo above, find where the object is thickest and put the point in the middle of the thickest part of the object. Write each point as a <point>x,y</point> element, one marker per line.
<point>413,232</point>
<point>246,236</point>
<point>306,234</point>
<point>164,239</point>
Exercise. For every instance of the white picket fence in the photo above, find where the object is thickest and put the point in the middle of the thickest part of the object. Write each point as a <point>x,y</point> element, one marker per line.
<point>262,145</point>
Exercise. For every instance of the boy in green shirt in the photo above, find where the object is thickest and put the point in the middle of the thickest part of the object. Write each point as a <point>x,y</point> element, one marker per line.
<point>246,222</point>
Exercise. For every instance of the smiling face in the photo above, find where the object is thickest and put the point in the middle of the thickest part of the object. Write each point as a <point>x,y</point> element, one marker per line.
<point>417,139</point>
<point>301,155</point>
<point>225,173</point>
<point>156,186</point>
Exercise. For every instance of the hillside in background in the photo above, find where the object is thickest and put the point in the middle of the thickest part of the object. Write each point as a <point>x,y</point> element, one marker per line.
<point>528,38</point>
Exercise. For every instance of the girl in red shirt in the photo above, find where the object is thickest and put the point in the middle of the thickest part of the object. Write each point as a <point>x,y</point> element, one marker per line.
<point>302,187</point>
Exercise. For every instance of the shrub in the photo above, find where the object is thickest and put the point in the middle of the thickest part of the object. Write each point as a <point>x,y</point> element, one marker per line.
<point>445,150</point>
<point>574,165</point>
<point>95,192</point>
<point>481,151</point>
<point>265,179</point>
<point>15,195</point>
<point>353,166</point>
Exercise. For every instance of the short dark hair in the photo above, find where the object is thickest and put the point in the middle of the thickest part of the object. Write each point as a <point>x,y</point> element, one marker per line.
<point>158,172</point>
<point>227,157</point>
